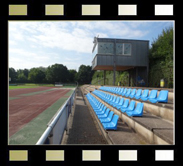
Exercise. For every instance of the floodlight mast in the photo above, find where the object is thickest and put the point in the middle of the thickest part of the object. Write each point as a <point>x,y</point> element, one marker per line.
<point>114,67</point>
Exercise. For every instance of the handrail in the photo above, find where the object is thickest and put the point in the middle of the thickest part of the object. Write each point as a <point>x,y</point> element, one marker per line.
<point>55,129</point>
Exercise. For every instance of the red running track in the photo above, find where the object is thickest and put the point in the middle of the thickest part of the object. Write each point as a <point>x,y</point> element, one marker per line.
<point>15,92</point>
<point>25,108</point>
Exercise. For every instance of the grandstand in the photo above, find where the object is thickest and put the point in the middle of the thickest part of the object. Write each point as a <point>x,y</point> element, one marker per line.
<point>113,115</point>
<point>148,112</point>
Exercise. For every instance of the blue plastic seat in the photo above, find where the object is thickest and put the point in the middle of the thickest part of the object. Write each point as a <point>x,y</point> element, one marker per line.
<point>118,106</point>
<point>116,102</point>
<point>107,97</point>
<point>138,110</point>
<point>117,90</point>
<point>114,99</point>
<point>138,94</point>
<point>131,107</point>
<point>128,92</point>
<point>153,95</point>
<point>105,114</point>
<point>132,94</point>
<point>162,97</point>
<point>124,91</point>
<point>121,91</point>
<point>125,104</point>
<point>101,112</point>
<point>97,106</point>
<point>100,108</point>
<point>108,119</point>
<point>111,125</point>
<point>110,99</point>
<point>144,95</point>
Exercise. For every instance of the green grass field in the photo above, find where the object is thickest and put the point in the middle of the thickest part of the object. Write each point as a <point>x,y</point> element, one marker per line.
<point>36,85</point>
<point>29,86</point>
<point>20,87</point>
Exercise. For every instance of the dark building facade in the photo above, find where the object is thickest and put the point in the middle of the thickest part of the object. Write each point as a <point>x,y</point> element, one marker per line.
<point>121,55</point>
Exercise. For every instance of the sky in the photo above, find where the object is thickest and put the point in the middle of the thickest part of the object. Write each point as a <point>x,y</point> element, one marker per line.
<point>44,43</point>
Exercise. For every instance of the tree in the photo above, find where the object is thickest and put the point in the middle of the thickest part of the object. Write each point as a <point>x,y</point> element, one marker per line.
<point>26,73</point>
<point>72,75</point>
<point>13,74</point>
<point>57,73</point>
<point>22,78</point>
<point>36,75</point>
<point>42,68</point>
<point>161,59</point>
<point>85,74</point>
<point>22,75</point>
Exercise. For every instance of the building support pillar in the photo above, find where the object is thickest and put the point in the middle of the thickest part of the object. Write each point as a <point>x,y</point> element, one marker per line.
<point>104,76</point>
<point>129,77</point>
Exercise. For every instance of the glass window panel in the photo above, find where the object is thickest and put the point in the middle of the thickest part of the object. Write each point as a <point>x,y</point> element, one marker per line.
<point>119,48</point>
<point>105,48</point>
<point>127,49</point>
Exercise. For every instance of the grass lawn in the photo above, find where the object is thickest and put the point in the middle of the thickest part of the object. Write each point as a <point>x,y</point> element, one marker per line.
<point>29,86</point>
<point>37,85</point>
<point>22,86</point>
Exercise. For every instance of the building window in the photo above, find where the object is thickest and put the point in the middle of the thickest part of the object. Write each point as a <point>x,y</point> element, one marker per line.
<point>119,48</point>
<point>127,49</point>
<point>105,48</point>
<point>123,49</point>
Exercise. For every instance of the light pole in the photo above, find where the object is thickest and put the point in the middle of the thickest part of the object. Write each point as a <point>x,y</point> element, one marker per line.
<point>114,60</point>
<point>77,83</point>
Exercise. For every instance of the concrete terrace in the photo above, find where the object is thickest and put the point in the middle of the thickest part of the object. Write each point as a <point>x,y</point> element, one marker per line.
<point>156,126</point>
<point>82,125</point>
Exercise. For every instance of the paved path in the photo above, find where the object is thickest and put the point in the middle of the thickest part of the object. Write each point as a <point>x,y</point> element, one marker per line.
<point>83,128</point>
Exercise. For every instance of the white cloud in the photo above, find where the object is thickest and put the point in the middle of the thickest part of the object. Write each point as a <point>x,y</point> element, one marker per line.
<point>43,43</point>
<point>21,52</point>
<point>73,36</point>
<point>11,42</point>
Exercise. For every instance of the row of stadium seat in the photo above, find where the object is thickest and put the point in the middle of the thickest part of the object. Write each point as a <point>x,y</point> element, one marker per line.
<point>108,119</point>
<point>121,104</point>
<point>138,94</point>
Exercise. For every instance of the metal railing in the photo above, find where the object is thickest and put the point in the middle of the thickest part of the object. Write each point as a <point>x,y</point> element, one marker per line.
<point>55,129</point>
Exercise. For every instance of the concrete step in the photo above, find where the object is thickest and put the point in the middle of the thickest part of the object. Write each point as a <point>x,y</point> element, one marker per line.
<point>153,129</point>
<point>122,136</point>
<point>82,127</point>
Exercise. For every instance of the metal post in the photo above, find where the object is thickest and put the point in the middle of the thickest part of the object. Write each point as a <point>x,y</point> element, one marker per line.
<point>114,68</point>
<point>136,75</point>
<point>129,77</point>
<point>104,76</point>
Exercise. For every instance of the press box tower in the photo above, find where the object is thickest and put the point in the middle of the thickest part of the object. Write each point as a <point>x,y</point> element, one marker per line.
<point>120,55</point>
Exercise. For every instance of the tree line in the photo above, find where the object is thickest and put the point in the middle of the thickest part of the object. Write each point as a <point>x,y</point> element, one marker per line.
<point>52,74</point>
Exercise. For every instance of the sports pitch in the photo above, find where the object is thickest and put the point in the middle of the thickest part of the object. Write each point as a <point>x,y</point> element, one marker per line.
<point>30,110</point>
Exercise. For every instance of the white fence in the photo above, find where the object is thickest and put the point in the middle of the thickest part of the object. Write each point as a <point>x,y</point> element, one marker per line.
<point>55,130</point>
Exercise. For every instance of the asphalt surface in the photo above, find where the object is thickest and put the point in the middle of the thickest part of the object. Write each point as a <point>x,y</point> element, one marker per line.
<point>82,125</point>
